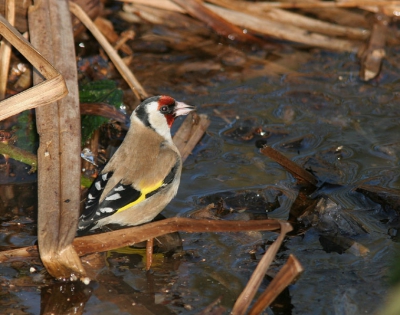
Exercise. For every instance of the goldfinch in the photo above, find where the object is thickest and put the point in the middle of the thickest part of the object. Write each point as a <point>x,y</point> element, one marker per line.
<point>143,175</point>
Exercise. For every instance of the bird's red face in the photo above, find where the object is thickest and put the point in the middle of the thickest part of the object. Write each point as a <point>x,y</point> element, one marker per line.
<point>172,109</point>
<point>166,106</point>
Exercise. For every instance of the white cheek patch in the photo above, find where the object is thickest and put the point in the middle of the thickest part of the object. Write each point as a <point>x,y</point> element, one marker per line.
<point>160,125</point>
<point>158,121</point>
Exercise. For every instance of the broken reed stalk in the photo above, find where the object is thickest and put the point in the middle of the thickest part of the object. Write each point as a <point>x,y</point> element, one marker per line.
<point>5,49</point>
<point>297,172</point>
<point>112,240</point>
<point>190,133</point>
<point>41,94</point>
<point>247,295</point>
<point>58,126</point>
<point>286,275</point>
<point>115,58</point>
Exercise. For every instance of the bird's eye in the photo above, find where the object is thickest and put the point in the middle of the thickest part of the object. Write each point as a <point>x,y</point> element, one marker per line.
<point>164,109</point>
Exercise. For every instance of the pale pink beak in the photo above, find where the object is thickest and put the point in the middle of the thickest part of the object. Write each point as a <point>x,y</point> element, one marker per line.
<point>182,109</point>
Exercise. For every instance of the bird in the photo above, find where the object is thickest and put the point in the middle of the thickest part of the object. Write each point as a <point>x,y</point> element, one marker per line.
<point>144,173</point>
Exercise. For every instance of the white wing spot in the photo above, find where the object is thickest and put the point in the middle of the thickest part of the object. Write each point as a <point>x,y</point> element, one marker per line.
<point>91,197</point>
<point>119,188</point>
<point>114,197</point>
<point>106,210</point>
<point>104,176</point>
<point>97,213</point>
<point>97,185</point>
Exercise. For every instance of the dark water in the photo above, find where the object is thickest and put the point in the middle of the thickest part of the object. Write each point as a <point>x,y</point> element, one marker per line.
<point>324,112</point>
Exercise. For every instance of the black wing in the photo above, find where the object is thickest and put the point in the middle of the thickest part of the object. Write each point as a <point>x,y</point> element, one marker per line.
<point>119,198</point>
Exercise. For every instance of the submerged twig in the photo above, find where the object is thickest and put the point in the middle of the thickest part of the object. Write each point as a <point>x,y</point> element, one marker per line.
<point>213,309</point>
<point>294,169</point>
